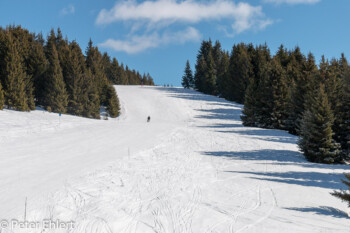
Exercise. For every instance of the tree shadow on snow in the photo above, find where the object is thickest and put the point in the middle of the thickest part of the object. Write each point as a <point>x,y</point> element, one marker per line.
<point>272,135</point>
<point>221,114</point>
<point>195,95</point>
<point>309,179</point>
<point>229,111</point>
<point>285,157</point>
<point>274,157</point>
<point>218,126</point>
<point>323,210</point>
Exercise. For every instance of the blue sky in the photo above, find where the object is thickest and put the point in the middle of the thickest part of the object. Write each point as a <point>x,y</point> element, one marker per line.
<point>158,36</point>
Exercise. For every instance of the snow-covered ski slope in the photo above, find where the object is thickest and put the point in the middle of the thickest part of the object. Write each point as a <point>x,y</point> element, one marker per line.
<point>193,168</point>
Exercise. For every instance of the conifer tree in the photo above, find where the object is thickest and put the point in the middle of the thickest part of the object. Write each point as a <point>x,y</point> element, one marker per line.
<point>283,56</point>
<point>221,81</point>
<point>264,98</point>
<point>62,48</point>
<point>3,51</point>
<point>92,106</point>
<point>298,55</point>
<point>344,195</point>
<point>344,65</point>
<point>272,98</point>
<point>280,95</point>
<point>240,70</point>
<point>123,76</point>
<point>23,38</point>
<point>107,94</point>
<point>202,66</point>
<point>333,83</point>
<point>304,72</point>
<point>76,80</point>
<point>199,77</point>
<point>250,109</point>
<point>114,72</point>
<point>187,78</point>
<point>316,130</point>
<point>95,64</point>
<point>40,38</point>
<point>260,58</point>
<point>55,95</point>
<point>2,98</point>
<point>342,112</point>
<point>144,79</point>
<point>210,76</point>
<point>107,66</point>
<point>151,81</point>
<point>37,68</point>
<point>217,54</point>
<point>112,103</point>
<point>258,101</point>
<point>15,78</point>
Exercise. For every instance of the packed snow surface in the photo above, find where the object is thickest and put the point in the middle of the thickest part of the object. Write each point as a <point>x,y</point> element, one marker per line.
<point>193,168</point>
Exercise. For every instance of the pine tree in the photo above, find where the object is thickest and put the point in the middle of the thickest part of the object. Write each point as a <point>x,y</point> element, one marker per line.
<point>151,82</point>
<point>271,97</point>
<point>92,106</point>
<point>144,80</point>
<point>2,98</point>
<point>112,103</point>
<point>249,113</point>
<point>15,78</point>
<point>264,99</point>
<point>55,95</point>
<point>342,112</point>
<point>217,53</point>
<point>107,66</point>
<point>199,76</point>
<point>333,82</point>
<point>202,66</point>
<point>23,38</point>
<point>304,73</point>
<point>63,52</point>
<point>279,90</point>
<point>123,76</point>
<point>344,195</point>
<point>76,81</point>
<point>114,72</point>
<point>258,100</point>
<point>260,57</point>
<point>283,56</point>
<point>210,76</point>
<point>37,68</point>
<point>316,130</point>
<point>95,64</point>
<point>239,73</point>
<point>222,68</point>
<point>296,104</point>
<point>187,78</point>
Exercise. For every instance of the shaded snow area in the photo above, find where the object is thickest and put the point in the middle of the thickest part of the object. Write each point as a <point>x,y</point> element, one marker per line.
<point>192,168</point>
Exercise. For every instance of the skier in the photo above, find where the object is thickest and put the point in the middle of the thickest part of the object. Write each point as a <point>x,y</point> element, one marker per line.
<point>148,119</point>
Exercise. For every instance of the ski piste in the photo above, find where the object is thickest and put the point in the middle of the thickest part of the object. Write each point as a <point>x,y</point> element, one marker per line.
<point>193,168</point>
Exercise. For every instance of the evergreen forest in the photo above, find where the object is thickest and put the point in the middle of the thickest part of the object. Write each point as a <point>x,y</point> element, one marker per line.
<point>286,91</point>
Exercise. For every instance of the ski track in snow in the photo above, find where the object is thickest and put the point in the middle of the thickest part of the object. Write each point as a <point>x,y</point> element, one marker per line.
<point>193,168</point>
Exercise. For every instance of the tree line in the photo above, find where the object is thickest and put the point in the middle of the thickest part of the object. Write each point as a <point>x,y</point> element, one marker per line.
<point>287,91</point>
<point>56,75</point>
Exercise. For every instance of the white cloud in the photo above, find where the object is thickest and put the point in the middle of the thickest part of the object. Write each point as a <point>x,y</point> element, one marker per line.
<point>166,12</point>
<point>292,2</point>
<point>147,19</point>
<point>70,9</point>
<point>136,44</point>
